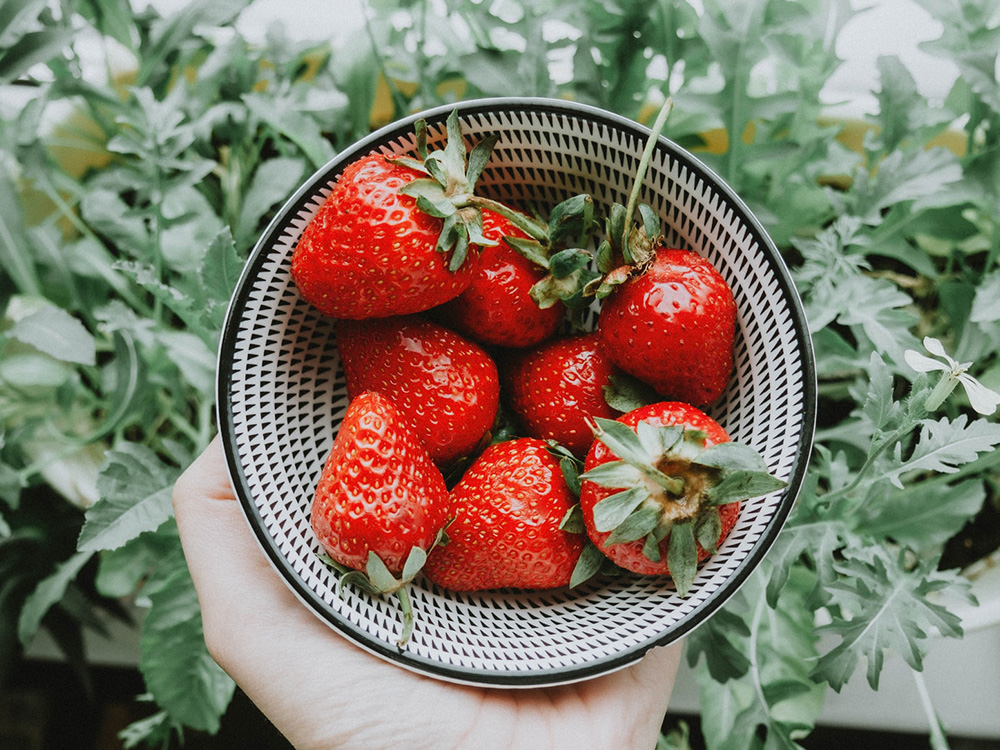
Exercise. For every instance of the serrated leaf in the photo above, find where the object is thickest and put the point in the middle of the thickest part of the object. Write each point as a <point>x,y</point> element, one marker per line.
<point>923,516</point>
<point>880,406</point>
<point>887,606</point>
<point>135,489</point>
<point>944,446</point>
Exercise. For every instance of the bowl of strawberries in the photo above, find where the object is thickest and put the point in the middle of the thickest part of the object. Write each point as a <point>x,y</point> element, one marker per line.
<point>514,390</point>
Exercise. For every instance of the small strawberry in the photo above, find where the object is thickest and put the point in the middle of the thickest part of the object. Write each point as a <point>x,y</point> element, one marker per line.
<point>662,488</point>
<point>508,508</point>
<point>445,385</point>
<point>497,308</point>
<point>395,236</point>
<point>668,316</point>
<point>557,387</point>
<point>380,504</point>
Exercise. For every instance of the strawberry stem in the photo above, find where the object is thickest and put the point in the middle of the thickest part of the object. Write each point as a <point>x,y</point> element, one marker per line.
<point>406,609</point>
<point>640,174</point>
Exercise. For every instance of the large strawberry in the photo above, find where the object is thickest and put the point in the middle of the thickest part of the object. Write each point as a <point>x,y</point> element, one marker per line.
<point>508,507</point>
<point>395,236</point>
<point>558,387</point>
<point>445,385</point>
<point>662,488</point>
<point>668,316</point>
<point>380,503</point>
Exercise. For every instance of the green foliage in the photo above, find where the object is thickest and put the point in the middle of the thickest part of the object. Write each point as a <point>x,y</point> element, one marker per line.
<point>116,274</point>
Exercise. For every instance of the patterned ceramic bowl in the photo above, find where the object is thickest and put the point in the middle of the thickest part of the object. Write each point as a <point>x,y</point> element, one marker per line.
<point>282,395</point>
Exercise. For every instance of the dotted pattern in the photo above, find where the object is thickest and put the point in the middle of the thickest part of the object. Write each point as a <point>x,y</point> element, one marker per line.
<point>282,395</point>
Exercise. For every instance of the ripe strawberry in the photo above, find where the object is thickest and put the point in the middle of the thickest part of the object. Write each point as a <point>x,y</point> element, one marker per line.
<point>507,508</point>
<point>673,326</point>
<point>662,488</point>
<point>556,388</point>
<point>379,490</point>
<point>445,386</point>
<point>669,318</point>
<point>395,236</point>
<point>380,504</point>
<point>497,307</point>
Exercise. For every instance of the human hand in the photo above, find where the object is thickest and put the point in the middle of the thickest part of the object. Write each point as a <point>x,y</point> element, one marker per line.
<point>322,691</point>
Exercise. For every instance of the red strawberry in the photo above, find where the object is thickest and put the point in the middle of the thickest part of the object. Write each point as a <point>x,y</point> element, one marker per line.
<point>497,307</point>
<point>447,387</point>
<point>369,252</point>
<point>507,508</point>
<point>380,504</point>
<point>556,388</point>
<point>395,236</point>
<point>670,319</point>
<point>662,488</point>
<point>673,326</point>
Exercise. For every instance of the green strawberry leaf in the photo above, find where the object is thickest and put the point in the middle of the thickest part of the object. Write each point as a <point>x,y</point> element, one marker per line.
<point>379,574</point>
<point>414,563</point>
<point>682,555</point>
<point>627,393</point>
<point>588,565</point>
<point>708,528</point>
<point>635,526</point>
<point>572,522</point>
<point>614,474</point>
<point>612,511</point>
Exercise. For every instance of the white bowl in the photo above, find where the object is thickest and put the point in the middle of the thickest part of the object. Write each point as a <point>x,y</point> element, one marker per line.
<point>281,396</point>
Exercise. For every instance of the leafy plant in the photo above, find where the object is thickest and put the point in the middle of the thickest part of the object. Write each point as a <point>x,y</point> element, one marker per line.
<point>129,200</point>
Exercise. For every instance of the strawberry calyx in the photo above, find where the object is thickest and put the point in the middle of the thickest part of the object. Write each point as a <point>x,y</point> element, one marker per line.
<point>591,561</point>
<point>630,246</point>
<point>377,580</point>
<point>671,483</point>
<point>447,191</point>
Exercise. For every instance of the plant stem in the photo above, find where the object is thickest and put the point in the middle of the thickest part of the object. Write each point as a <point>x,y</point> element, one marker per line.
<point>640,174</point>
<point>938,739</point>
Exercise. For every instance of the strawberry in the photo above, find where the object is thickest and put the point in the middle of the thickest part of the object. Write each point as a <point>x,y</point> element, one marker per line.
<point>380,504</point>
<point>668,316</point>
<point>673,326</point>
<point>557,387</point>
<point>662,488</point>
<point>446,386</point>
<point>508,507</point>
<point>497,307</point>
<point>395,236</point>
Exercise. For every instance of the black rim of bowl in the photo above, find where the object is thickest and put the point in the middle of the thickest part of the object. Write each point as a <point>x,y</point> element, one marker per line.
<point>541,677</point>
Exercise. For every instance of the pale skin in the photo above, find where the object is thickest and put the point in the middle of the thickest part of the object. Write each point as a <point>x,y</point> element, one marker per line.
<point>323,692</point>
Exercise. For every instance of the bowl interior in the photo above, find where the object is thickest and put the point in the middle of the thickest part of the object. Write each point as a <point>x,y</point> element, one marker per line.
<point>282,396</point>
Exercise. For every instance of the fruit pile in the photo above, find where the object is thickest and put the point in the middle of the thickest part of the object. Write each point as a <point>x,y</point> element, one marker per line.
<point>490,441</point>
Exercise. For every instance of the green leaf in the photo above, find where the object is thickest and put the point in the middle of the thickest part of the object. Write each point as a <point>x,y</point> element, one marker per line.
<point>614,474</point>
<point>178,670</point>
<point>635,526</point>
<point>379,574</point>
<point>47,594</point>
<point>587,566</point>
<point>414,563</point>
<point>611,512</point>
<point>944,446</point>
<point>626,393</point>
<point>682,555</point>
<point>135,488</point>
<point>923,516</point>
<point>55,332</point>
<point>888,606</point>
<point>273,181</point>
<point>708,528</point>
